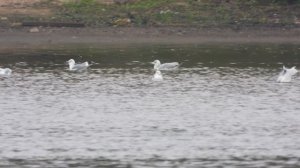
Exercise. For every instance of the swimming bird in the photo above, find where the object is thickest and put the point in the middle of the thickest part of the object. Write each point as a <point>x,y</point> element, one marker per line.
<point>77,67</point>
<point>157,76</point>
<point>165,66</point>
<point>286,74</point>
<point>5,71</point>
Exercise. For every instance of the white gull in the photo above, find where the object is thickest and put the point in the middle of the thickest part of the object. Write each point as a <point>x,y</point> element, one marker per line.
<point>286,74</point>
<point>157,76</point>
<point>165,66</point>
<point>5,71</point>
<point>77,67</point>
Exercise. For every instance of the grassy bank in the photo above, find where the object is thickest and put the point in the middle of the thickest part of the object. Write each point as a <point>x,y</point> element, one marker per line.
<point>197,13</point>
<point>183,13</point>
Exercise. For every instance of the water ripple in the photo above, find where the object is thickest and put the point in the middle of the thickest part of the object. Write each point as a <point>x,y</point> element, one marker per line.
<point>116,116</point>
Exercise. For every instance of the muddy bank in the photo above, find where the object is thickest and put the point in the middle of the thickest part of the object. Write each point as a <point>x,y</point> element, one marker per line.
<point>45,37</point>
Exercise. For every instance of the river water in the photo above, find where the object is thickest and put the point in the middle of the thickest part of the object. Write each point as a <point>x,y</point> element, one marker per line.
<point>221,108</point>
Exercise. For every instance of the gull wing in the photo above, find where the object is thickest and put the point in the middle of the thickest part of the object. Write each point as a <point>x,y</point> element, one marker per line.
<point>169,66</point>
<point>80,67</point>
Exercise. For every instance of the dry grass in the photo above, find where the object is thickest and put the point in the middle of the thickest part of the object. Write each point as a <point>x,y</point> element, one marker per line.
<point>23,7</point>
<point>25,11</point>
<point>18,3</point>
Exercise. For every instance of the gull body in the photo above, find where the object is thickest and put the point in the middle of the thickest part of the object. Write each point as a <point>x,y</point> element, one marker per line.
<point>157,76</point>
<point>165,66</point>
<point>286,74</point>
<point>77,67</point>
<point>5,71</point>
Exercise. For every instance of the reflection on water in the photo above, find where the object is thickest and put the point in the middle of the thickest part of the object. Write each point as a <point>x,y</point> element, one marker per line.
<point>221,108</point>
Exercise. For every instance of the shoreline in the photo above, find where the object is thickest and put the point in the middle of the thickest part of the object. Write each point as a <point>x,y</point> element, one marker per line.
<point>112,36</point>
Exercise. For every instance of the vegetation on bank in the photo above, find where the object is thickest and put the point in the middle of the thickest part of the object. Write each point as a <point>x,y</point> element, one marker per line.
<point>201,13</point>
<point>184,12</point>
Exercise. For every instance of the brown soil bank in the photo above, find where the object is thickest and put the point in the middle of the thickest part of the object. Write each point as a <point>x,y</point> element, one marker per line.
<point>123,22</point>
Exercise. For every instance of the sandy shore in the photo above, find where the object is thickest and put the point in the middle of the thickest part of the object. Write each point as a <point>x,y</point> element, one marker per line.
<point>23,38</point>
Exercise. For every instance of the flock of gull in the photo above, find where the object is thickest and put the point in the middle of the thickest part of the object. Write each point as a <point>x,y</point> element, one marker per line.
<point>284,76</point>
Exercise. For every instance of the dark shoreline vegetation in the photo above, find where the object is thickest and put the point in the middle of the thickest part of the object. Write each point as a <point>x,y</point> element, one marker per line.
<point>183,13</point>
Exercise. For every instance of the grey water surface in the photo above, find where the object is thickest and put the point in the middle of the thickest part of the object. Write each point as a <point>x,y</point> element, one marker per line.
<point>221,108</point>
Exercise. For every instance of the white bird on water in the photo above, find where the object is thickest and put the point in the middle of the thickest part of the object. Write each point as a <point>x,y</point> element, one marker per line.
<point>286,74</point>
<point>157,76</point>
<point>165,66</point>
<point>77,67</point>
<point>5,71</point>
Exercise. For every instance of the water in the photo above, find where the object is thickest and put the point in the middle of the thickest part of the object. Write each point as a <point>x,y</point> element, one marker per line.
<point>222,108</point>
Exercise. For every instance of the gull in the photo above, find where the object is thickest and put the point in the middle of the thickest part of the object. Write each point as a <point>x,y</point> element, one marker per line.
<point>77,67</point>
<point>165,66</point>
<point>286,74</point>
<point>5,71</point>
<point>157,76</point>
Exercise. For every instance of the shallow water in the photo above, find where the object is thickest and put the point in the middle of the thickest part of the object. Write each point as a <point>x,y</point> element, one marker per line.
<point>221,108</point>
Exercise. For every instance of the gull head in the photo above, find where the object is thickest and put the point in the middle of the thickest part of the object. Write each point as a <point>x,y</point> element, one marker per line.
<point>158,73</point>
<point>157,76</point>
<point>71,62</point>
<point>156,64</point>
